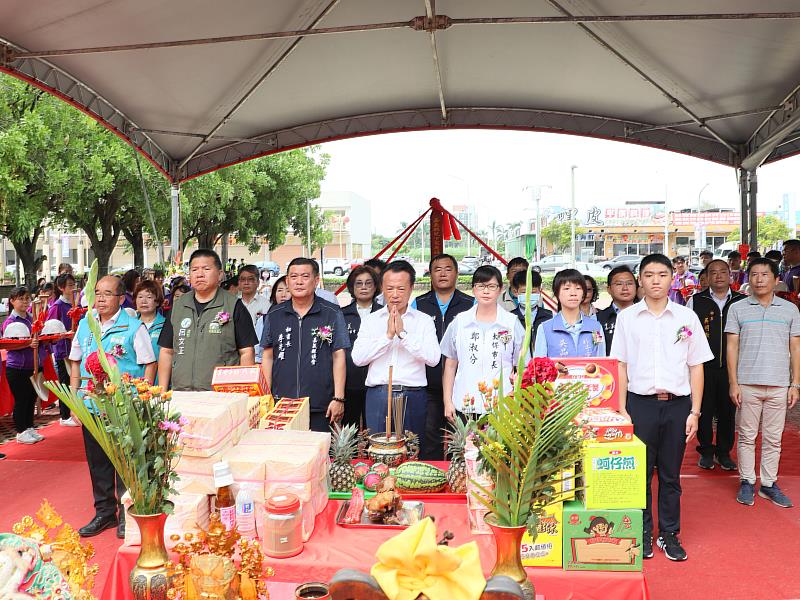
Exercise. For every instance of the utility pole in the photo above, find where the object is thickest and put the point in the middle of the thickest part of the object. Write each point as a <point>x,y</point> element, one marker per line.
<point>308,228</point>
<point>572,214</point>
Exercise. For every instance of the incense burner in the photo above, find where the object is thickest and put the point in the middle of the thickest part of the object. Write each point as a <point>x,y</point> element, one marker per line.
<point>391,451</point>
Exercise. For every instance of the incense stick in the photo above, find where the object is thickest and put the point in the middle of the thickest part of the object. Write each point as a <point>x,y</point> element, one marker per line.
<point>399,414</point>
<point>389,405</point>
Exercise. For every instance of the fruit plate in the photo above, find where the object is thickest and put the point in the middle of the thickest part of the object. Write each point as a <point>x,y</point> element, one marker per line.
<point>412,512</point>
<point>14,343</point>
<point>54,337</point>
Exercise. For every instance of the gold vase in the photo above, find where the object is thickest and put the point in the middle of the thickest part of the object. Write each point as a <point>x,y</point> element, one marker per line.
<point>507,540</point>
<point>149,578</point>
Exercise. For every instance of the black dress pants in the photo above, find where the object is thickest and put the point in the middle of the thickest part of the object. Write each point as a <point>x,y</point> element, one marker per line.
<point>104,479</point>
<point>354,407</point>
<point>63,377</point>
<point>434,425</point>
<point>661,425</point>
<point>716,402</point>
<point>19,382</point>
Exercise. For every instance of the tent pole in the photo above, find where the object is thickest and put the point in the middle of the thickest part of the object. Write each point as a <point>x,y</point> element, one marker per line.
<point>753,209</point>
<point>744,211</point>
<point>175,237</point>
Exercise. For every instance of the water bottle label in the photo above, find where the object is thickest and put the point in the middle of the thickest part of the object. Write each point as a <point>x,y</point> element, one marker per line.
<point>247,508</point>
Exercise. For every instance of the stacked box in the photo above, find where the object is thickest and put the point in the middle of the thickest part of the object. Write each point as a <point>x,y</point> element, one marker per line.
<point>601,540</point>
<point>475,509</point>
<point>614,474</point>
<point>545,550</point>
<point>599,375</point>
<point>215,419</point>
<point>605,425</point>
<point>248,380</point>
<point>288,413</point>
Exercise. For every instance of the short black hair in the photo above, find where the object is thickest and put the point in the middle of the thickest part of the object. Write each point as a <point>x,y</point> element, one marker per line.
<point>360,270</point>
<point>620,269</point>
<point>400,266</point>
<point>274,291</point>
<point>703,271</point>
<point>520,277</point>
<point>517,261</point>
<point>442,257</point>
<point>181,287</point>
<point>230,282</point>
<point>792,242</point>
<point>302,261</point>
<point>595,291</point>
<point>63,279</point>
<point>734,254</point>
<point>763,261</point>
<point>568,276</point>
<point>774,255</point>
<point>130,279</point>
<point>678,258</point>
<point>375,263</point>
<point>706,253</point>
<point>485,273</point>
<point>18,292</point>
<point>753,254</point>
<point>158,273</point>
<point>252,269</point>
<point>656,258</point>
<point>718,260</point>
<point>206,253</point>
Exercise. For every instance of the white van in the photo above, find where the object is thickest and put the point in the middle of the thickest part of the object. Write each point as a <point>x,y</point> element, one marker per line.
<point>725,249</point>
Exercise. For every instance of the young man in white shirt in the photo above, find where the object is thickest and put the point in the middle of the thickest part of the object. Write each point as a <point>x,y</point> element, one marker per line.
<point>661,350</point>
<point>404,338</point>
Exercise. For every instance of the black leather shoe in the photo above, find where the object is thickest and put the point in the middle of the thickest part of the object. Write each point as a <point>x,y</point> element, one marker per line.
<point>97,526</point>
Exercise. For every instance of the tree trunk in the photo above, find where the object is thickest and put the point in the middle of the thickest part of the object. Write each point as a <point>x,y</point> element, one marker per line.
<point>224,250</point>
<point>135,238</point>
<point>26,252</point>
<point>206,239</point>
<point>103,249</point>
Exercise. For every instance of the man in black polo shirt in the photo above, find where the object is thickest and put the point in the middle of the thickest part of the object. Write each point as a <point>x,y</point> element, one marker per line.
<point>622,286</point>
<point>304,343</point>
<point>442,304</point>
<point>711,307</point>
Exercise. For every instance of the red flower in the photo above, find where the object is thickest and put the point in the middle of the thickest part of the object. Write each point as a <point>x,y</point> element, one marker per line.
<point>539,370</point>
<point>96,369</point>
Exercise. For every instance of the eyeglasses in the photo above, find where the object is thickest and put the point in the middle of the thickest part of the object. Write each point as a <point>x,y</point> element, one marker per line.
<point>492,287</point>
<point>247,279</point>
<point>365,283</point>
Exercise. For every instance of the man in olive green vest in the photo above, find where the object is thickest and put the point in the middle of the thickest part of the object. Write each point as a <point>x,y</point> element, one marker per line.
<point>207,327</point>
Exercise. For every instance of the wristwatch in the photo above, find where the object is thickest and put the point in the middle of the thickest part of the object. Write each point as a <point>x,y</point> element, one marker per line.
<point>795,386</point>
<point>334,399</point>
<point>402,334</point>
<point>695,414</point>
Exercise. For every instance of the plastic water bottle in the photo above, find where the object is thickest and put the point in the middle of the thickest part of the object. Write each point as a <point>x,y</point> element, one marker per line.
<point>245,513</point>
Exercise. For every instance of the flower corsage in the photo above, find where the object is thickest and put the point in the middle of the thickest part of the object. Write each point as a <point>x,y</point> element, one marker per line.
<point>324,334</point>
<point>504,335</point>
<point>684,333</point>
<point>598,338</point>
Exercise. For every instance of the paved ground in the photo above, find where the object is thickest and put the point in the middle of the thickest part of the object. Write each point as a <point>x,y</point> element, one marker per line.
<point>7,431</point>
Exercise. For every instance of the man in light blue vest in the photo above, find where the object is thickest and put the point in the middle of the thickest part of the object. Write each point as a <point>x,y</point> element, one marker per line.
<point>134,357</point>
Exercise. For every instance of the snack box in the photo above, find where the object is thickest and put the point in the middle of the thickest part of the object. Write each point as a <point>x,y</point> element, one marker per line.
<point>601,540</point>
<point>605,425</point>
<point>565,485</point>
<point>215,419</point>
<point>288,413</point>
<point>614,474</point>
<point>545,550</point>
<point>600,375</point>
<point>247,380</point>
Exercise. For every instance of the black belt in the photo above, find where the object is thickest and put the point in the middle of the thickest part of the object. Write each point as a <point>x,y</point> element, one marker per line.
<point>404,388</point>
<point>663,396</point>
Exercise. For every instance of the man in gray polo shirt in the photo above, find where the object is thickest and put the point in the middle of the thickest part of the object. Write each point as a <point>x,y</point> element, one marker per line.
<point>759,331</point>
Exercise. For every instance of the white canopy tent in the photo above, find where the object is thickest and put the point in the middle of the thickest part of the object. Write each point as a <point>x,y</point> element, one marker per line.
<point>197,85</point>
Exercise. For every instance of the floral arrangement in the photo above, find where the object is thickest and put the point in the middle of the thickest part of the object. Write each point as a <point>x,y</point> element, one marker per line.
<point>684,333</point>
<point>222,318</point>
<point>324,333</point>
<point>529,440</point>
<point>131,420</point>
<point>504,335</point>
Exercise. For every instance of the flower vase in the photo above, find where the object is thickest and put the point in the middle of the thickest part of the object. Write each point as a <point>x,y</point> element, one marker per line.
<point>149,578</point>
<point>507,540</point>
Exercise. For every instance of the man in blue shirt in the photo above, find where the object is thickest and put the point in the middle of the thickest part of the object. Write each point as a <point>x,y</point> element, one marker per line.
<point>304,341</point>
<point>442,304</point>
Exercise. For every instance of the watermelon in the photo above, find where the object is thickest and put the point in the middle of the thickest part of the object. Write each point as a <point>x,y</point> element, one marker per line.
<point>381,469</point>
<point>361,471</point>
<point>371,481</point>
<point>420,477</point>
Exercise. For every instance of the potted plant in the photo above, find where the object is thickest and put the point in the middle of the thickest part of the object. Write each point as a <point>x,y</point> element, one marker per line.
<point>526,442</point>
<point>135,426</point>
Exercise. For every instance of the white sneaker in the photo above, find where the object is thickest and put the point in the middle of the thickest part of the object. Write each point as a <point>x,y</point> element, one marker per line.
<point>35,435</point>
<point>70,422</point>
<point>26,438</point>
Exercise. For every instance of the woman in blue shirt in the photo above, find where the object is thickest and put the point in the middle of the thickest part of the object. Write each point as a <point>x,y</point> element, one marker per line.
<point>149,296</point>
<point>570,333</point>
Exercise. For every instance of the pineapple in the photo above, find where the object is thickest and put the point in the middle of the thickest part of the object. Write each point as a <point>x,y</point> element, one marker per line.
<point>343,448</point>
<point>456,442</point>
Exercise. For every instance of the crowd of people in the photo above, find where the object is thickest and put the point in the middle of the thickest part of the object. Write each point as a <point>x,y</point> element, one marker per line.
<point>722,347</point>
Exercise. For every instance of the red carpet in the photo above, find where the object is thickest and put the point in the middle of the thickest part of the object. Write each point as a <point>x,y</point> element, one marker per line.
<point>735,552</point>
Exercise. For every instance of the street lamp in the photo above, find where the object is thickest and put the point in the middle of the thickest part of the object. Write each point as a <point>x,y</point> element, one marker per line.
<point>536,192</point>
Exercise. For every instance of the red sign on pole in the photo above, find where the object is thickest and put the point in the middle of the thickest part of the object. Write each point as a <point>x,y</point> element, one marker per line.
<point>437,233</point>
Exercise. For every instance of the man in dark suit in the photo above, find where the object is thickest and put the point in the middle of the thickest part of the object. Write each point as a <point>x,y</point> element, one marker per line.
<point>442,303</point>
<point>711,307</point>
<point>539,314</point>
<point>622,286</point>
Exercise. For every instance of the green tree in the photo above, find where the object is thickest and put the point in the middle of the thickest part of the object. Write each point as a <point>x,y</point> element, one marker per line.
<point>771,230</point>
<point>559,234</point>
<point>36,158</point>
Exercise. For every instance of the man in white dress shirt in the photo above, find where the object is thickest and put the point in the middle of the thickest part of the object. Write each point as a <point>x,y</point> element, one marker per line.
<point>661,349</point>
<point>403,337</point>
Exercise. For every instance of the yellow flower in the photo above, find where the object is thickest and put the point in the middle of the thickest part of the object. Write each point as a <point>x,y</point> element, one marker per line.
<point>166,395</point>
<point>496,382</point>
<point>142,387</point>
<point>155,389</point>
<point>145,396</point>
<point>111,388</point>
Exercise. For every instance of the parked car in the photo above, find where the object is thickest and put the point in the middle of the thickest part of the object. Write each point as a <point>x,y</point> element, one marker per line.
<point>593,269</point>
<point>271,266</point>
<point>336,266</point>
<point>629,260</point>
<point>552,263</point>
